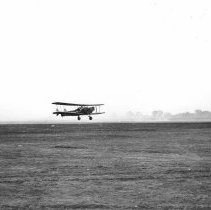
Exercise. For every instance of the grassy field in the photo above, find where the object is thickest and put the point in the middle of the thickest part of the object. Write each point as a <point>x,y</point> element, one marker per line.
<point>106,166</point>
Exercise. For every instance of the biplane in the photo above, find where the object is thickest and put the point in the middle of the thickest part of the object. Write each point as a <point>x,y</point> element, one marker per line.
<point>81,109</point>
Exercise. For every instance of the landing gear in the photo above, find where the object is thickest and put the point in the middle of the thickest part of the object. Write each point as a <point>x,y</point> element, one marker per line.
<point>79,118</point>
<point>90,117</point>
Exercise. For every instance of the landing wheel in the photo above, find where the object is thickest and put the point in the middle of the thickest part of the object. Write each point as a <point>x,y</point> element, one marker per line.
<point>79,118</point>
<point>90,117</point>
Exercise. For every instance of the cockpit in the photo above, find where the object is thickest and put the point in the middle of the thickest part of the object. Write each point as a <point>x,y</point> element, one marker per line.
<point>78,109</point>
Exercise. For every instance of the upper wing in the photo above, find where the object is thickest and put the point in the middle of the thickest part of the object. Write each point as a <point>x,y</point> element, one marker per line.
<point>71,104</point>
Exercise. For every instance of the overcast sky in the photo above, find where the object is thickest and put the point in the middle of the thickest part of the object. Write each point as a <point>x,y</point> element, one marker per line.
<point>131,55</point>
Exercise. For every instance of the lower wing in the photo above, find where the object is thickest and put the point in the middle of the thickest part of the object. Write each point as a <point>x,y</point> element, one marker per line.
<point>75,113</point>
<point>66,113</point>
<point>97,113</point>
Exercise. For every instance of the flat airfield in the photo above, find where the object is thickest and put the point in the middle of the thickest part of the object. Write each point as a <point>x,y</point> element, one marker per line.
<point>105,166</point>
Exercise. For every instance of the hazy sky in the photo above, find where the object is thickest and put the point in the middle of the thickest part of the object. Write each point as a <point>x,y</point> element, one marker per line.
<point>131,55</point>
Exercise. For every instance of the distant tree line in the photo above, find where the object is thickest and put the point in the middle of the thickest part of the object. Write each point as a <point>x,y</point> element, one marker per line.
<point>159,115</point>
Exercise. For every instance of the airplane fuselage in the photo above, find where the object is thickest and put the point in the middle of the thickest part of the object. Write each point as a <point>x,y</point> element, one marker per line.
<point>77,112</point>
